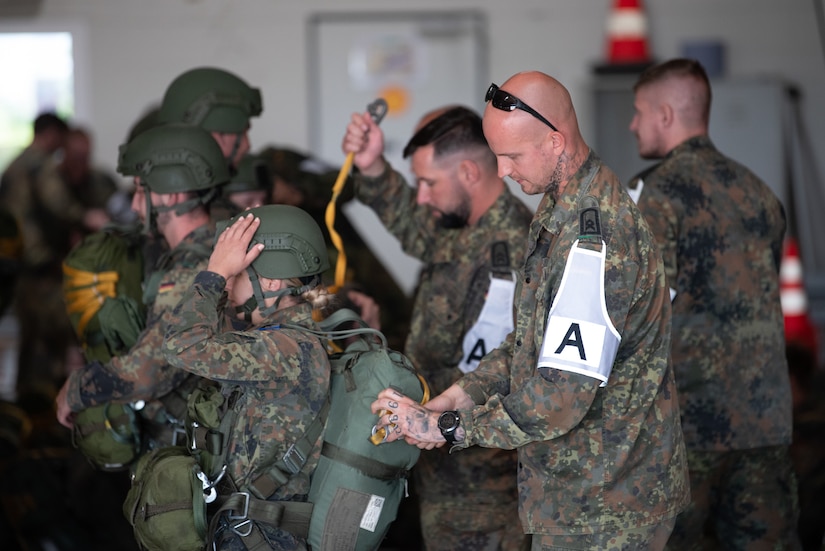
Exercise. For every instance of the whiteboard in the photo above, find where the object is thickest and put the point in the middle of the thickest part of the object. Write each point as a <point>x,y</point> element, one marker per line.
<point>417,62</point>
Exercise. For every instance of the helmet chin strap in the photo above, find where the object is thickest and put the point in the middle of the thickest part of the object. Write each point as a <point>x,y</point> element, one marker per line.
<point>259,296</point>
<point>235,147</point>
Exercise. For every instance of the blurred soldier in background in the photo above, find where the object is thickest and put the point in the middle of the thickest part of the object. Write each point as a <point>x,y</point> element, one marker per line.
<point>32,190</point>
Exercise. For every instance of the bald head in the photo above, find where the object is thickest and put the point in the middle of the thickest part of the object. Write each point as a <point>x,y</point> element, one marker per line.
<point>535,155</point>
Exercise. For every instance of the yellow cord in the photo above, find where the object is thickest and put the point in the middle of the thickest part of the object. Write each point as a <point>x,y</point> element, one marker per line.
<point>329,217</point>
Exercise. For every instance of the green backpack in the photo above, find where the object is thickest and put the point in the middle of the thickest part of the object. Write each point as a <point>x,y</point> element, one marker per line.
<point>102,286</point>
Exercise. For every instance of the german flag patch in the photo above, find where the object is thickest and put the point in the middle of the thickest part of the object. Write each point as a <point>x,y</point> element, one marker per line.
<point>166,287</point>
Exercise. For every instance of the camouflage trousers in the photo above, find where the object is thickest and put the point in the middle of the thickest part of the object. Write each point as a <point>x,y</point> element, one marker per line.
<point>646,538</point>
<point>740,500</point>
<point>465,525</point>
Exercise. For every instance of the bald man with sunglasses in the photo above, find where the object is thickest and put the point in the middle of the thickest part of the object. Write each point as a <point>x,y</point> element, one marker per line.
<point>582,387</point>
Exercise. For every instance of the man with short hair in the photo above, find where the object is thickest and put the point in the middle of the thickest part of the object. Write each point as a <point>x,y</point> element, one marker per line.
<point>462,221</point>
<point>582,387</point>
<point>720,230</point>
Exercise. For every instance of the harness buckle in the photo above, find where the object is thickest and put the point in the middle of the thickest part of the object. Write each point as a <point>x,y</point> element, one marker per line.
<point>243,528</point>
<point>230,514</point>
<point>294,459</point>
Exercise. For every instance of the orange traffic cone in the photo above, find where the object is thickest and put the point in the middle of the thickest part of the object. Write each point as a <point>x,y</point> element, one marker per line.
<point>627,34</point>
<point>799,329</point>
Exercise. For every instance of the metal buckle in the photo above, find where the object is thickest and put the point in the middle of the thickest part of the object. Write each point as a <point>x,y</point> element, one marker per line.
<point>194,443</point>
<point>243,528</point>
<point>229,513</point>
<point>177,431</point>
<point>209,492</point>
<point>293,466</point>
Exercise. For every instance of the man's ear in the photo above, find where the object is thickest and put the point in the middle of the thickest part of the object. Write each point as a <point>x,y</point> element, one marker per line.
<point>666,115</point>
<point>469,172</point>
<point>556,142</point>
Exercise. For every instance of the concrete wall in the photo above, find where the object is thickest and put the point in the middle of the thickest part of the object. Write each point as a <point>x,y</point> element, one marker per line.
<point>128,51</point>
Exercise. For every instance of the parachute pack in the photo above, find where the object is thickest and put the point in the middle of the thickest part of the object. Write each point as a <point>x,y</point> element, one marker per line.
<point>102,278</point>
<point>360,480</point>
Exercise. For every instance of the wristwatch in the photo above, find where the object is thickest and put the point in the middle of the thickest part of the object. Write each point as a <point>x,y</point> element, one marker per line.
<point>448,423</point>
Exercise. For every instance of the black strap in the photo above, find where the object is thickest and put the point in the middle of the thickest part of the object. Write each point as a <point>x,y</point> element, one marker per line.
<point>367,466</point>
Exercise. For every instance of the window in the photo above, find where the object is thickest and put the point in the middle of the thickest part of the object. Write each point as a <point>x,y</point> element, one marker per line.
<point>41,80</point>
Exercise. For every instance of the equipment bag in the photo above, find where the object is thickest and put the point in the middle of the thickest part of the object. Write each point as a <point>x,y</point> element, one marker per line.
<point>108,435</point>
<point>166,504</point>
<point>360,481</point>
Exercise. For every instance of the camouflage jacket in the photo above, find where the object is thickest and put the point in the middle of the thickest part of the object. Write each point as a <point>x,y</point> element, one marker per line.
<point>457,268</point>
<point>33,191</point>
<point>143,373</point>
<point>591,458</point>
<point>283,373</point>
<point>720,230</point>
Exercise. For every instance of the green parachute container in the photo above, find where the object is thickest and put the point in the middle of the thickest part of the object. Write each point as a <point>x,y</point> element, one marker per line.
<point>358,484</point>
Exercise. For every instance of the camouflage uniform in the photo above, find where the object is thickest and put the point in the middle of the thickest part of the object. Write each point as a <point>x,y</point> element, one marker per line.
<point>284,374</point>
<point>594,462</point>
<point>143,373</point>
<point>468,500</point>
<point>34,193</point>
<point>720,230</point>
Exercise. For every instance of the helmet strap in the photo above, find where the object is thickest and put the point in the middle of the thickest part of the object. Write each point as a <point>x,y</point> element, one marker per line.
<point>235,147</point>
<point>259,296</point>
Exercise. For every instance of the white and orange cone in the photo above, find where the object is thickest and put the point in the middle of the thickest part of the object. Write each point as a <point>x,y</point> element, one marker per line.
<point>799,329</point>
<point>627,30</point>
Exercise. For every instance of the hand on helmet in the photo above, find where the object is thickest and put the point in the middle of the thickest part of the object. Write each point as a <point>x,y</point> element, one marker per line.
<point>232,253</point>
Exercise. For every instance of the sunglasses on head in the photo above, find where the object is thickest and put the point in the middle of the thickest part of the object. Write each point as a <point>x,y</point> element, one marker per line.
<point>508,102</point>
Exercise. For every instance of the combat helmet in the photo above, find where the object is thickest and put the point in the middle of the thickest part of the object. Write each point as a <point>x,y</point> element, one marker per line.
<point>294,248</point>
<point>214,99</point>
<point>174,158</point>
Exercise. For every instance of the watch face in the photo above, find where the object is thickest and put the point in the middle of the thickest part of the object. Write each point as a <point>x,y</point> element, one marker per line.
<point>448,420</point>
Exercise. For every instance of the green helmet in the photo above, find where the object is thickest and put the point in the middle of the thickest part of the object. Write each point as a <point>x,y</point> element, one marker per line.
<point>211,98</point>
<point>253,175</point>
<point>294,247</point>
<point>294,244</point>
<point>172,158</point>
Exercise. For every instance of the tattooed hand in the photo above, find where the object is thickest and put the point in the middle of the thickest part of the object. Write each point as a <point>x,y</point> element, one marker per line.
<point>405,418</point>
